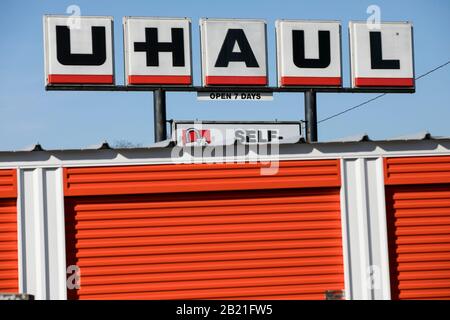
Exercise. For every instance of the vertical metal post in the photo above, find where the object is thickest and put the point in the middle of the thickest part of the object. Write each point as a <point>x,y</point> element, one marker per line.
<point>159,105</point>
<point>311,116</point>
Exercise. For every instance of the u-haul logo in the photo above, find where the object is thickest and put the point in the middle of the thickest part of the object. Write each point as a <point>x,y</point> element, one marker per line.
<point>197,137</point>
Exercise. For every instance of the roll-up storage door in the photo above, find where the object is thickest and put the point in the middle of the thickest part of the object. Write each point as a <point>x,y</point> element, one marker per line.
<point>418,209</point>
<point>276,243</point>
<point>9,282</point>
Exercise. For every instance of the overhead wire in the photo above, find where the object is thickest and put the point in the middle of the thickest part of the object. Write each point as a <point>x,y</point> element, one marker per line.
<point>380,95</point>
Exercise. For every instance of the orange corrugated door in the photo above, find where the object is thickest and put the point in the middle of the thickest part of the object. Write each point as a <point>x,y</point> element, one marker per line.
<point>419,227</point>
<point>264,244</point>
<point>9,277</point>
<point>418,215</point>
<point>9,281</point>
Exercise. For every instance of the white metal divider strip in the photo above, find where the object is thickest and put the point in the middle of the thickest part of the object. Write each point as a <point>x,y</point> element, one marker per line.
<point>345,236</point>
<point>31,246</point>
<point>385,281</point>
<point>54,200</point>
<point>20,235</point>
<point>365,236</point>
<point>354,221</point>
<point>363,223</point>
<point>41,247</point>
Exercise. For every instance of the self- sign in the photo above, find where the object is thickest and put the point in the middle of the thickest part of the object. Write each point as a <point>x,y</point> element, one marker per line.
<point>218,133</point>
<point>157,51</point>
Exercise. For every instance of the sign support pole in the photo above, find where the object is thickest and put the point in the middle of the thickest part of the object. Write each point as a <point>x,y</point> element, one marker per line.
<point>311,116</point>
<point>159,104</point>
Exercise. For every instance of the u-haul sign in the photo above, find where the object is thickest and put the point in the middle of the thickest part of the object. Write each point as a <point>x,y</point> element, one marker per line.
<point>157,51</point>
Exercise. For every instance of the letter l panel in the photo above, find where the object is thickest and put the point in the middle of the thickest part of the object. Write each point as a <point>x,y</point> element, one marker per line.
<point>382,57</point>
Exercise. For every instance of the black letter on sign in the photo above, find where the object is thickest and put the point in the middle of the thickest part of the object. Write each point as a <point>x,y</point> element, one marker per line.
<point>63,51</point>
<point>226,54</point>
<point>298,50</point>
<point>376,56</point>
<point>152,47</point>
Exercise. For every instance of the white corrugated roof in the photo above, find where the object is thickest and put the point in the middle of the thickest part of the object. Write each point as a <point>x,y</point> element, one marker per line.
<point>363,137</point>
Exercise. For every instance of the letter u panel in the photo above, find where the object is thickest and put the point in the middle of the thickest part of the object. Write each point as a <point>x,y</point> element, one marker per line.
<point>78,50</point>
<point>418,209</point>
<point>205,231</point>
<point>9,267</point>
<point>308,53</point>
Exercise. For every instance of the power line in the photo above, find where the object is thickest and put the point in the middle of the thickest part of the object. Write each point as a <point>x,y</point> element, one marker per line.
<point>352,108</point>
<point>380,95</point>
<point>433,70</point>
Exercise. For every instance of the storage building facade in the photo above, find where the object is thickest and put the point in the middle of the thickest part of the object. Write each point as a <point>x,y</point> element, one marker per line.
<point>370,218</point>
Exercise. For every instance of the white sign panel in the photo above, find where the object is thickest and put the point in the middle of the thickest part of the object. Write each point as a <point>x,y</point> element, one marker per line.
<point>233,52</point>
<point>308,53</point>
<point>235,96</point>
<point>157,51</point>
<point>78,50</point>
<point>219,134</point>
<point>381,57</point>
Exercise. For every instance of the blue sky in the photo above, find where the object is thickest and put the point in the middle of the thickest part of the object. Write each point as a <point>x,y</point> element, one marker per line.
<point>29,114</point>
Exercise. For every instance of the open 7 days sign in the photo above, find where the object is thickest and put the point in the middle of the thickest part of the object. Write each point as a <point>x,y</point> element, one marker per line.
<point>233,52</point>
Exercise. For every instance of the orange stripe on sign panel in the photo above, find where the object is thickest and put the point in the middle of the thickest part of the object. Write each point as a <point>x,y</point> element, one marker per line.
<point>384,82</point>
<point>237,80</point>
<point>145,79</point>
<point>311,81</point>
<point>266,244</point>
<point>419,240</point>
<point>80,78</point>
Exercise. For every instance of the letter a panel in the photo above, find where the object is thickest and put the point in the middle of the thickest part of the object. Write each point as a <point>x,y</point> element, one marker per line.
<point>78,50</point>
<point>383,56</point>
<point>234,52</point>
<point>308,53</point>
<point>157,51</point>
